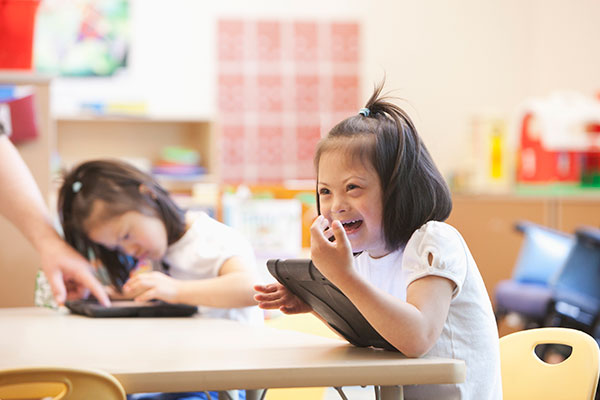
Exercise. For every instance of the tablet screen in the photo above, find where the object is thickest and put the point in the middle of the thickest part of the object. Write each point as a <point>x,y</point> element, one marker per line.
<point>129,308</point>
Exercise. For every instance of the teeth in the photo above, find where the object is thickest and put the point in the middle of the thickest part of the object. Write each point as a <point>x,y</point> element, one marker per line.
<point>350,222</point>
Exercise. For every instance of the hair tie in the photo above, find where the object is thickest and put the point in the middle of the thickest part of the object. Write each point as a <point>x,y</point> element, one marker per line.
<point>364,111</point>
<point>76,186</point>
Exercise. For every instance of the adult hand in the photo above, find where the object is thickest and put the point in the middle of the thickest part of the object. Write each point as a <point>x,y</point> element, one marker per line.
<point>276,296</point>
<point>333,259</point>
<point>68,273</point>
<point>147,286</point>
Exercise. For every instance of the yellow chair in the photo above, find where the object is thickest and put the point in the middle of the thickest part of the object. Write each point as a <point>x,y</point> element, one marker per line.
<point>58,383</point>
<point>525,376</point>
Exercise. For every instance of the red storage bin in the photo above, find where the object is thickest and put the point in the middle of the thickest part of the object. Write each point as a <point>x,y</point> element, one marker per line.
<point>17,22</point>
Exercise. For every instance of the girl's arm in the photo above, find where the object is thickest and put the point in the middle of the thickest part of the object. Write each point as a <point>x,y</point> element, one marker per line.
<point>413,326</point>
<point>233,287</point>
<point>22,203</point>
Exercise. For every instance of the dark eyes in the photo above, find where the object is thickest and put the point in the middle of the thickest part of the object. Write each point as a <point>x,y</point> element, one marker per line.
<point>324,191</point>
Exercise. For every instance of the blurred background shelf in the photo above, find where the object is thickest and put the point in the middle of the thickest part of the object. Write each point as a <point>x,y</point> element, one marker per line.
<point>136,138</point>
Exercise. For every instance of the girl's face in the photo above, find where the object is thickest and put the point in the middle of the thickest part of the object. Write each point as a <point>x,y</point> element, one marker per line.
<point>136,234</point>
<point>350,192</point>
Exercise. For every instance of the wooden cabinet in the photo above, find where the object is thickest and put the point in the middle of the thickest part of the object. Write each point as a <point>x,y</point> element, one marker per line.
<point>487,224</point>
<point>575,212</point>
<point>19,261</point>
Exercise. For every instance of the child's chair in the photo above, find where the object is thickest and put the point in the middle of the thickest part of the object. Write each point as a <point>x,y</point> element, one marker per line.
<point>529,292</point>
<point>58,383</point>
<point>525,376</point>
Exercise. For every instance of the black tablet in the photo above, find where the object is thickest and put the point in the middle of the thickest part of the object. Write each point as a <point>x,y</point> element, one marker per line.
<point>128,308</point>
<point>303,279</point>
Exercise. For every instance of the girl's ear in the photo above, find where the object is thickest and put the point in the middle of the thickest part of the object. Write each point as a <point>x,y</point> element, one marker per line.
<point>145,190</point>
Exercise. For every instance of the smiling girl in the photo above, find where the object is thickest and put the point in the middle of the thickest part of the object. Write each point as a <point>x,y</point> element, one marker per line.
<point>381,196</point>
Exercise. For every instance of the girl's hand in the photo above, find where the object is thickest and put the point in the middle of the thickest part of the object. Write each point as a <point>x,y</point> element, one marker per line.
<point>152,285</point>
<point>114,294</point>
<point>333,259</point>
<point>276,296</point>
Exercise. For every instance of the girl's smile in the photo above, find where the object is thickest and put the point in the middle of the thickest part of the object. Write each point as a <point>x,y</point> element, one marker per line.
<point>350,192</point>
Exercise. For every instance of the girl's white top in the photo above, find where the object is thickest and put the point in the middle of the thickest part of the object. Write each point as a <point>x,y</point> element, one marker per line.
<point>470,332</point>
<point>200,254</point>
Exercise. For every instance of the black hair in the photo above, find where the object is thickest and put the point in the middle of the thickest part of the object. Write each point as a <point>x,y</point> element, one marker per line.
<point>123,188</point>
<point>413,189</point>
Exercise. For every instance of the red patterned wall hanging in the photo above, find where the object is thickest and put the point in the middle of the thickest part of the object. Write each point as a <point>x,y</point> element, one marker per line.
<point>281,85</point>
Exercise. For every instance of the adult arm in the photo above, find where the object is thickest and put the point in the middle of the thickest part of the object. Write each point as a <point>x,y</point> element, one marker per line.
<point>23,205</point>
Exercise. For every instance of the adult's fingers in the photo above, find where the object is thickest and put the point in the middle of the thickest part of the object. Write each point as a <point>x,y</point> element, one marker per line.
<point>59,291</point>
<point>88,280</point>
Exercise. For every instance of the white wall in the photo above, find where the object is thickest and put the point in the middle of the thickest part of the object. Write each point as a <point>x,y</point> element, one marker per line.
<point>173,55</point>
<point>453,60</point>
<point>449,60</point>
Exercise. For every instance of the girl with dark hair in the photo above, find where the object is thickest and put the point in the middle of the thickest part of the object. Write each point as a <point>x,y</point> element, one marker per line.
<point>382,241</point>
<point>114,213</point>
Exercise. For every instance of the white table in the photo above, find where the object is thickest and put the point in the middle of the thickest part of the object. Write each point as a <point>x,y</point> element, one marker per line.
<point>193,354</point>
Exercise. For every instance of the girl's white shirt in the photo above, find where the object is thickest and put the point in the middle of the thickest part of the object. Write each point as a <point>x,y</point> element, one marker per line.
<point>200,254</point>
<point>470,332</point>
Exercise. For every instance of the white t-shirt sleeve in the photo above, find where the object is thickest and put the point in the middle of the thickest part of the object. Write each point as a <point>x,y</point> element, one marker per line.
<point>449,259</point>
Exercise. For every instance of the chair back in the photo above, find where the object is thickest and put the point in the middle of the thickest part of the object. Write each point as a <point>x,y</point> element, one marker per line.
<point>576,290</point>
<point>525,376</point>
<point>542,254</point>
<point>58,383</point>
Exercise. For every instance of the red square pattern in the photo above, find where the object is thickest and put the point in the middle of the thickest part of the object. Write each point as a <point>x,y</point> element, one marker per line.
<point>270,94</point>
<point>231,93</point>
<point>305,41</point>
<point>231,40</point>
<point>233,144</point>
<point>268,37</point>
<point>344,93</point>
<point>307,93</point>
<point>270,146</point>
<point>344,42</point>
<point>274,115</point>
<point>306,141</point>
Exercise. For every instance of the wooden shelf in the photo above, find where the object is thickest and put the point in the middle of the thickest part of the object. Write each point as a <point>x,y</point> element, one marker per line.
<point>81,138</point>
<point>23,77</point>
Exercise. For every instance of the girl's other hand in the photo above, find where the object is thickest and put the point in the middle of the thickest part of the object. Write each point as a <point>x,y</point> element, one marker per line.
<point>276,296</point>
<point>333,259</point>
<point>152,285</point>
<point>114,294</point>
